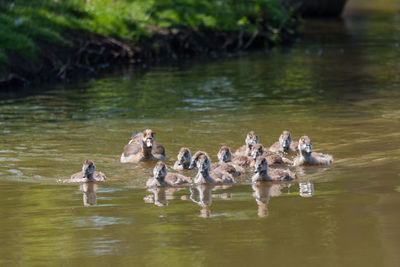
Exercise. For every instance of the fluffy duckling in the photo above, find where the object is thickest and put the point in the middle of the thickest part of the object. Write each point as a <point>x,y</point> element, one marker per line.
<point>183,159</point>
<point>205,176</point>
<point>284,144</point>
<point>263,173</point>
<point>195,157</point>
<point>251,140</point>
<point>163,178</point>
<point>305,155</point>
<point>225,163</point>
<point>142,147</point>
<point>258,150</point>
<point>88,174</point>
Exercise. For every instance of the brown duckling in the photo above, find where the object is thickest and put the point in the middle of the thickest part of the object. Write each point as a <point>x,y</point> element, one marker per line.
<point>194,159</point>
<point>264,173</point>
<point>273,159</point>
<point>284,144</point>
<point>88,174</point>
<point>142,147</point>
<point>183,159</point>
<point>225,163</point>
<point>163,178</point>
<point>205,176</point>
<point>251,140</point>
<point>305,155</point>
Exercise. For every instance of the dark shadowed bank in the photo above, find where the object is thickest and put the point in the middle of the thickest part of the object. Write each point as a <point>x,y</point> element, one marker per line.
<point>53,39</point>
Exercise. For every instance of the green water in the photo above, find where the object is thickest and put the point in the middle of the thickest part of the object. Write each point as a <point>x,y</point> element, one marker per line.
<point>339,84</point>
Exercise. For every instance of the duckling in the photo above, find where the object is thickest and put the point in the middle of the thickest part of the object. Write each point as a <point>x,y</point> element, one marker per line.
<point>225,164</point>
<point>258,150</point>
<point>163,178</point>
<point>263,173</point>
<point>284,144</point>
<point>142,147</point>
<point>183,161</point>
<point>251,140</point>
<point>194,159</point>
<point>305,155</point>
<point>88,174</point>
<point>205,176</point>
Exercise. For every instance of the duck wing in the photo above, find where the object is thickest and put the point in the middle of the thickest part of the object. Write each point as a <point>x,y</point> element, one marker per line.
<point>158,150</point>
<point>132,148</point>
<point>99,176</point>
<point>177,179</point>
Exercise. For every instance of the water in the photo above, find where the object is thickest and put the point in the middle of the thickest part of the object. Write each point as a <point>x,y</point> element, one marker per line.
<point>339,84</point>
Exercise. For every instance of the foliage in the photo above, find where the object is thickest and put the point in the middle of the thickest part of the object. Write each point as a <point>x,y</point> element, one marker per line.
<point>25,22</point>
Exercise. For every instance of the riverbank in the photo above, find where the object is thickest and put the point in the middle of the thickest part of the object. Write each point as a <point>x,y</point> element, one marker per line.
<point>55,39</point>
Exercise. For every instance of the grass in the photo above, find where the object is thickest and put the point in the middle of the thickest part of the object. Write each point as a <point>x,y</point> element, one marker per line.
<point>26,22</point>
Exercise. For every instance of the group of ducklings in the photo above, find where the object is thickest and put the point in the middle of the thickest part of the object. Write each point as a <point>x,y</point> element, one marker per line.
<point>266,164</point>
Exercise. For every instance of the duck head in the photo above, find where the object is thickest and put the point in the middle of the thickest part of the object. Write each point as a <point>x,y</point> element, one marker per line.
<point>203,164</point>
<point>257,151</point>
<point>285,140</point>
<point>305,145</point>
<point>160,171</point>
<point>184,156</point>
<point>148,138</point>
<point>195,158</point>
<point>261,165</point>
<point>224,154</point>
<point>88,169</point>
<point>251,140</point>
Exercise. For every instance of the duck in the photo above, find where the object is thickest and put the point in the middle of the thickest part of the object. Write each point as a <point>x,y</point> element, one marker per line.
<point>163,178</point>
<point>142,147</point>
<point>225,163</point>
<point>273,159</point>
<point>183,159</point>
<point>305,155</point>
<point>204,175</point>
<point>88,174</point>
<point>284,144</point>
<point>263,173</point>
<point>194,159</point>
<point>251,140</point>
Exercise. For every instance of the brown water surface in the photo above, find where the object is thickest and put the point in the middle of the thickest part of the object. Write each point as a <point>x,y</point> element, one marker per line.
<point>339,84</point>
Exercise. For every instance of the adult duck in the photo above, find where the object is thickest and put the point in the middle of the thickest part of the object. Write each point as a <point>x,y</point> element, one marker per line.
<point>143,147</point>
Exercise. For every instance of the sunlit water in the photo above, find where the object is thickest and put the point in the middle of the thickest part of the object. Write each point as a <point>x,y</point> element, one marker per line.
<point>340,84</point>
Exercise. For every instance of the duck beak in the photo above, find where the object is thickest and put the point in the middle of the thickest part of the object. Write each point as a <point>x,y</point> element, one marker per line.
<point>149,142</point>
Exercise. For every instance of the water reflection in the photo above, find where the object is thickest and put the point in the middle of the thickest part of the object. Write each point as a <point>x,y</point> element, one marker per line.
<point>89,194</point>
<point>202,195</point>
<point>161,195</point>
<point>306,189</point>
<point>262,193</point>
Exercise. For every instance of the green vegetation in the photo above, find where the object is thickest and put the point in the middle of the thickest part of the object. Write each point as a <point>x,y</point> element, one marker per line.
<point>25,22</point>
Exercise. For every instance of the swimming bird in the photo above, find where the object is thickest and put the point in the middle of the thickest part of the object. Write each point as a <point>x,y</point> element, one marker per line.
<point>163,178</point>
<point>273,159</point>
<point>285,143</point>
<point>205,176</point>
<point>250,141</point>
<point>142,147</point>
<point>305,155</point>
<point>88,174</point>
<point>263,173</point>
<point>183,159</point>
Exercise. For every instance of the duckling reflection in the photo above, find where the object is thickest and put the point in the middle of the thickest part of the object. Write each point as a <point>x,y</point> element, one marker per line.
<point>262,193</point>
<point>306,189</point>
<point>202,195</point>
<point>160,195</point>
<point>89,194</point>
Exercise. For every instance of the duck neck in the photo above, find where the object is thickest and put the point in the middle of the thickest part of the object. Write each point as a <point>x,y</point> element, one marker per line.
<point>305,155</point>
<point>248,149</point>
<point>90,177</point>
<point>203,176</point>
<point>261,176</point>
<point>146,152</point>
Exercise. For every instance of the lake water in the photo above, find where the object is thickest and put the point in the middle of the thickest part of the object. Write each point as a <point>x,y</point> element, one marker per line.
<point>339,84</point>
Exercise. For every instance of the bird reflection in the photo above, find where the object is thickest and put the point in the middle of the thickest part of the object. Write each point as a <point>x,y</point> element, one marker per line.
<point>202,195</point>
<point>262,192</point>
<point>160,195</point>
<point>89,194</point>
<point>306,189</point>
